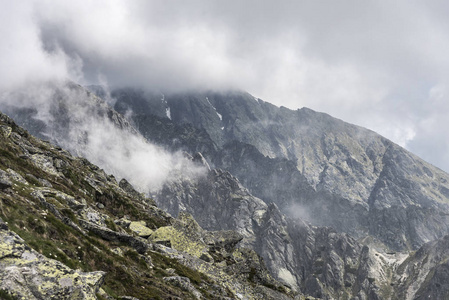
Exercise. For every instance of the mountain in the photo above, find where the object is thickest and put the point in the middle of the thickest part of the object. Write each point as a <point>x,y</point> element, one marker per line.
<point>329,172</point>
<point>253,217</point>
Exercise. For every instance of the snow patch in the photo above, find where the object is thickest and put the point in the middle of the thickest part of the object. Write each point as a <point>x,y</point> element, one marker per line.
<point>222,128</point>
<point>219,115</point>
<point>167,112</point>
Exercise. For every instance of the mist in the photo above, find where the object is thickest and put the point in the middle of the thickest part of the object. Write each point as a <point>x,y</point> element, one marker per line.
<point>73,118</point>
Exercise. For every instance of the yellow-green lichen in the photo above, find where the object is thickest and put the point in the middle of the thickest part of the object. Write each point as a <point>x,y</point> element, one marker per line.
<point>178,240</point>
<point>140,228</point>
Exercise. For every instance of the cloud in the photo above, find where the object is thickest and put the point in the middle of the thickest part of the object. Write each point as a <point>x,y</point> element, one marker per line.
<point>21,56</point>
<point>432,136</point>
<point>372,63</point>
<point>81,123</point>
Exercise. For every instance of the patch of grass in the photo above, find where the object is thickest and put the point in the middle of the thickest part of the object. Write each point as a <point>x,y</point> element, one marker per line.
<point>4,295</point>
<point>70,214</point>
<point>111,225</point>
<point>182,270</point>
<point>109,291</point>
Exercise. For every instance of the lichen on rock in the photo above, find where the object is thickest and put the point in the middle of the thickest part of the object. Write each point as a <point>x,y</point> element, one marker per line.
<point>27,274</point>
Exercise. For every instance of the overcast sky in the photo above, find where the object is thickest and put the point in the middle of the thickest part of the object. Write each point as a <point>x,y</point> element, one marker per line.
<point>380,64</point>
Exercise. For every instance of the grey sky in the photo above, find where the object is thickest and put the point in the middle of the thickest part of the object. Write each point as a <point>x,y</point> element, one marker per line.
<point>380,64</point>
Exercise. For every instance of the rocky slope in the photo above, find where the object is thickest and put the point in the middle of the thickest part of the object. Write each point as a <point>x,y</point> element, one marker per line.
<point>315,260</point>
<point>310,164</point>
<point>424,274</point>
<point>70,231</point>
<point>318,261</point>
<point>215,254</point>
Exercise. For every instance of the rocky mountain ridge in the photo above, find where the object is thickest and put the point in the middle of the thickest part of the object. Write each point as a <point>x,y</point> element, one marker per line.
<point>332,173</point>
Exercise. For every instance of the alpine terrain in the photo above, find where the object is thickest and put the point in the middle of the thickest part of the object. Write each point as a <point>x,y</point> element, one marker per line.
<point>254,202</point>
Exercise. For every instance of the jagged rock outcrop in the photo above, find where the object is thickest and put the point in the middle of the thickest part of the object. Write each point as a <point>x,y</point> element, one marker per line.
<point>317,261</point>
<point>332,173</point>
<point>424,274</point>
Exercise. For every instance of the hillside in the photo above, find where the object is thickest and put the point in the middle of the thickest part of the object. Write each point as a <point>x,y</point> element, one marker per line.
<point>70,231</point>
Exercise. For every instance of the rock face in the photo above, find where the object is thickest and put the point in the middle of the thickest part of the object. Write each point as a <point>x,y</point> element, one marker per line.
<point>317,261</point>
<point>327,171</point>
<point>424,274</point>
<point>29,275</point>
<point>70,231</point>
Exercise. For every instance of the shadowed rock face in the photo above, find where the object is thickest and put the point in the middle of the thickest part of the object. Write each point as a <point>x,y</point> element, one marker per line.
<point>318,261</point>
<point>424,274</point>
<point>327,171</point>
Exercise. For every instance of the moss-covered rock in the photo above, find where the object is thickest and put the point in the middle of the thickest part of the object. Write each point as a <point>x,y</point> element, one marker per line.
<point>178,240</point>
<point>140,228</point>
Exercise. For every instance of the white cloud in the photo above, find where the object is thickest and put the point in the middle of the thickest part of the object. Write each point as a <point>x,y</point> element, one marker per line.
<point>370,63</point>
<point>79,122</point>
<point>21,56</point>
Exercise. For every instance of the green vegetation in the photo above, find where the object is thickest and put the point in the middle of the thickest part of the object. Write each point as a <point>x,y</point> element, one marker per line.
<point>165,262</point>
<point>4,295</point>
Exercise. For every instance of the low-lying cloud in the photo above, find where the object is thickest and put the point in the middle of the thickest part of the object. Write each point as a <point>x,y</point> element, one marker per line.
<point>81,123</point>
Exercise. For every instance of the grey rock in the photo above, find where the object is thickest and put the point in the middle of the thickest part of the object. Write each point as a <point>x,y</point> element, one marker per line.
<point>5,182</point>
<point>326,171</point>
<point>301,256</point>
<point>45,182</point>
<point>139,245</point>
<point>29,275</point>
<point>424,274</point>
<point>184,284</point>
